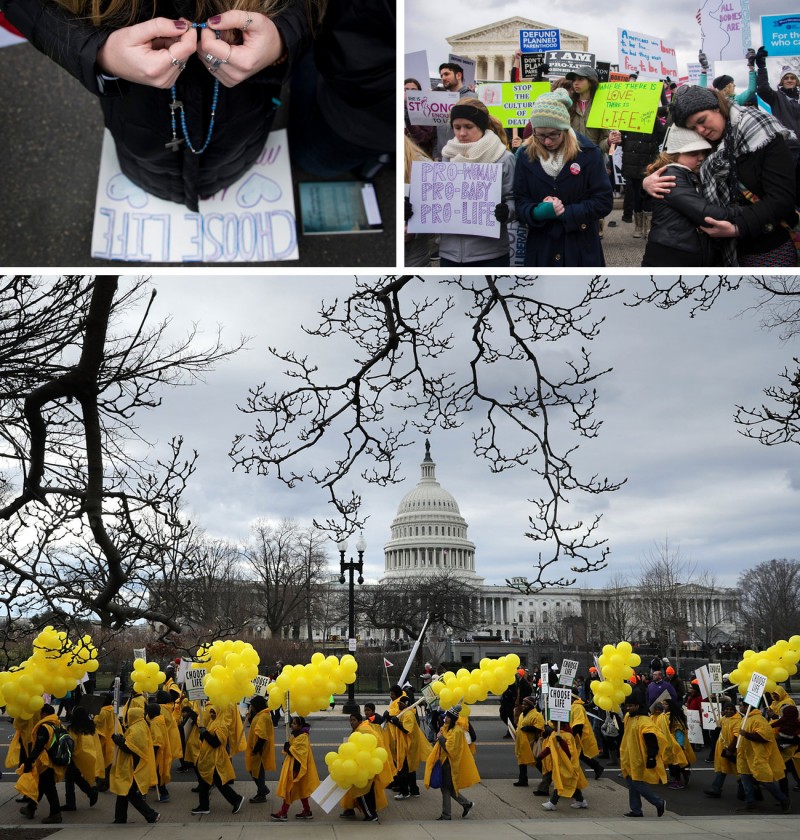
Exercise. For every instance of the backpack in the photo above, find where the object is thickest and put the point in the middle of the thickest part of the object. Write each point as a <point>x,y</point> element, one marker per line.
<point>61,747</point>
<point>609,727</point>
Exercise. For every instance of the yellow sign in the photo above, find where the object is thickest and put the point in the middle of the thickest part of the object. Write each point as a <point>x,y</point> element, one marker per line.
<point>510,102</point>
<point>625,106</point>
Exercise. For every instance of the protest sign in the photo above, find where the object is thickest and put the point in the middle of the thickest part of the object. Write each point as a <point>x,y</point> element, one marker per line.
<point>539,40</point>
<point>183,667</point>
<point>517,242</point>
<point>510,102</point>
<point>430,107</point>
<point>253,220</point>
<point>646,55</point>
<point>616,76</point>
<point>569,668</point>
<point>603,70</point>
<point>140,653</point>
<point>260,684</point>
<point>662,698</point>
<point>694,69</point>
<point>194,684</point>
<point>415,66</point>
<point>755,691</point>
<point>708,715</point>
<point>560,62</point>
<point>694,726</point>
<point>467,64</point>
<point>780,34</point>
<point>530,64</point>
<point>625,106</point>
<point>703,681</point>
<point>715,673</point>
<point>455,198</point>
<point>559,703</point>
<point>723,33</point>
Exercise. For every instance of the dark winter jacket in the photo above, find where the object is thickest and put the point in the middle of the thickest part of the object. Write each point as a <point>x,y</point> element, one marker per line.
<point>640,150</point>
<point>785,105</point>
<point>572,239</point>
<point>676,219</point>
<point>138,116</point>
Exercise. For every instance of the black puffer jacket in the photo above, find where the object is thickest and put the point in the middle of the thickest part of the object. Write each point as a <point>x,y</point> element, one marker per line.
<point>138,116</point>
<point>640,150</point>
<point>676,218</point>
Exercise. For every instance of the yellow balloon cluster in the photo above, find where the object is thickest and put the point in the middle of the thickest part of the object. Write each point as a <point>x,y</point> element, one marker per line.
<point>146,676</point>
<point>777,663</point>
<point>55,667</point>
<point>310,686</point>
<point>356,761</point>
<point>232,667</point>
<point>493,675</point>
<point>616,666</point>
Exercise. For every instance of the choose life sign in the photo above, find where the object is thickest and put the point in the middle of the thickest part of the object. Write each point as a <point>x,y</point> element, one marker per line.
<point>455,198</point>
<point>559,704</point>
<point>781,34</point>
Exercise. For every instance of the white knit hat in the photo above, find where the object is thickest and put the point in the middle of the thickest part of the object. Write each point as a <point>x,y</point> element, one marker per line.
<point>679,140</point>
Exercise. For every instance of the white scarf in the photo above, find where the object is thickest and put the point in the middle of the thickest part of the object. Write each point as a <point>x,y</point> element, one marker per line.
<point>555,162</point>
<point>489,149</point>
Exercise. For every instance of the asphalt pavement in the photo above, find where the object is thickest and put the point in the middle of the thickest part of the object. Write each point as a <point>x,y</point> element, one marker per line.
<point>52,131</point>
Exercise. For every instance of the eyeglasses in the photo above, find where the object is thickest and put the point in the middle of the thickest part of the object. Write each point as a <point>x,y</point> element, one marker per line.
<point>550,135</point>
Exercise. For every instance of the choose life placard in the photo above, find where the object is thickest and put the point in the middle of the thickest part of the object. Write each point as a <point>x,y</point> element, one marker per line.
<point>625,106</point>
<point>455,198</point>
<point>510,102</point>
<point>569,670</point>
<point>194,684</point>
<point>755,691</point>
<point>559,703</point>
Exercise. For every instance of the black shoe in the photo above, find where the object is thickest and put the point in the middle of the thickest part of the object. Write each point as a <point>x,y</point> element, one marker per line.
<point>27,811</point>
<point>627,219</point>
<point>198,811</point>
<point>520,784</point>
<point>661,808</point>
<point>349,814</point>
<point>53,819</point>
<point>443,817</point>
<point>467,808</point>
<point>120,822</point>
<point>599,772</point>
<point>714,794</point>
<point>237,808</point>
<point>507,735</point>
<point>372,818</point>
<point>259,797</point>
<point>541,793</point>
<point>632,814</point>
<point>196,789</point>
<point>68,808</point>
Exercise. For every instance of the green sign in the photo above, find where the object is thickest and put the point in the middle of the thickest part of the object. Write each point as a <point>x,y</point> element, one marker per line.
<point>625,106</point>
<point>510,102</point>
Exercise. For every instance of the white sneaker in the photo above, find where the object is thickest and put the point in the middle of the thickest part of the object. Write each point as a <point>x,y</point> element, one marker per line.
<point>548,806</point>
<point>582,804</point>
<point>402,796</point>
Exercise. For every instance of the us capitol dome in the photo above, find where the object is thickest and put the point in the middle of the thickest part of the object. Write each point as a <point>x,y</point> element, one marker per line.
<point>429,534</point>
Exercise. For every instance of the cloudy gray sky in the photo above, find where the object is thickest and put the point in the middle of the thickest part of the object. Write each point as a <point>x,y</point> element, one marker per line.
<point>428,24</point>
<point>666,407</point>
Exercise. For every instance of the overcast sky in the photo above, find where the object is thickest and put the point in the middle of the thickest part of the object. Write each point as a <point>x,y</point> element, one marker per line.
<point>427,25</point>
<point>726,502</point>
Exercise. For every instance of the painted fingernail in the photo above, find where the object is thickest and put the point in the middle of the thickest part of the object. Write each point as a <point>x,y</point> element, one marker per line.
<point>216,19</point>
<point>180,24</point>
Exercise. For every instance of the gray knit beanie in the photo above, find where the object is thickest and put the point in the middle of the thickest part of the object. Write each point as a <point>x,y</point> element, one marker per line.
<point>691,100</point>
<point>551,110</point>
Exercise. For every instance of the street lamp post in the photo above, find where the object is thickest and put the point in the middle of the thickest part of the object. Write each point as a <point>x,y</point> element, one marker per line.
<point>351,566</point>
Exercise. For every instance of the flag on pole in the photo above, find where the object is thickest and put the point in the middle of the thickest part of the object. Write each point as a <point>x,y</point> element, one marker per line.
<point>386,663</point>
<point>699,17</point>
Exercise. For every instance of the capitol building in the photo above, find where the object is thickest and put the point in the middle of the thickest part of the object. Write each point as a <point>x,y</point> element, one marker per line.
<point>429,535</point>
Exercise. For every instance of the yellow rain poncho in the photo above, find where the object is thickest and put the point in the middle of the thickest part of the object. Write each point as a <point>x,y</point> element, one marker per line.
<point>162,747</point>
<point>728,733</point>
<point>138,765</point>
<point>524,741</point>
<point>168,711</point>
<point>563,761</point>
<point>412,745</point>
<point>211,758</point>
<point>104,726</point>
<point>86,757</point>
<point>260,728</point>
<point>384,778</point>
<point>781,699</point>
<point>587,743</point>
<point>761,760</point>
<point>22,737</point>
<point>298,783</point>
<point>462,764</point>
<point>633,750</point>
<point>233,723</point>
<point>28,783</point>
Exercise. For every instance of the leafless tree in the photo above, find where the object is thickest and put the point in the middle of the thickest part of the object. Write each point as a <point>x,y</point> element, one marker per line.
<point>708,619</point>
<point>442,597</point>
<point>72,380</point>
<point>662,605</point>
<point>621,620</point>
<point>408,348</point>
<point>285,564</point>
<point>770,601</point>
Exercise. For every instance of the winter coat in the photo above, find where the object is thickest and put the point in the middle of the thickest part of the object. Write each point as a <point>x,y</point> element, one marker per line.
<point>633,750</point>
<point>138,116</point>
<point>676,219</point>
<point>785,104</point>
<point>598,136</point>
<point>572,239</point>
<point>640,150</point>
<point>465,247</point>
<point>761,760</point>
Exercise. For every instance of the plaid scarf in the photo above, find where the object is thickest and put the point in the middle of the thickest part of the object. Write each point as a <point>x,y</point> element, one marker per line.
<point>747,131</point>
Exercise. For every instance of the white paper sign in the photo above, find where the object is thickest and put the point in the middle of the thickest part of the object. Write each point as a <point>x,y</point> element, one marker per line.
<point>194,684</point>
<point>351,645</point>
<point>723,34</point>
<point>430,107</point>
<point>328,794</point>
<point>703,681</point>
<point>695,726</point>
<point>694,70</point>
<point>715,674</point>
<point>140,653</point>
<point>559,701</point>
<point>253,220</point>
<point>755,691</point>
<point>707,715</point>
<point>416,67</point>
<point>260,684</point>
<point>646,55</point>
<point>455,198</point>
<point>467,65</point>
<point>183,666</point>
<point>569,669</point>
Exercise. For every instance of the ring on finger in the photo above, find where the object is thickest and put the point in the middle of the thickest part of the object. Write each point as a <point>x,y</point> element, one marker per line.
<point>210,58</point>
<point>176,62</point>
<point>247,22</point>
<point>228,57</point>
